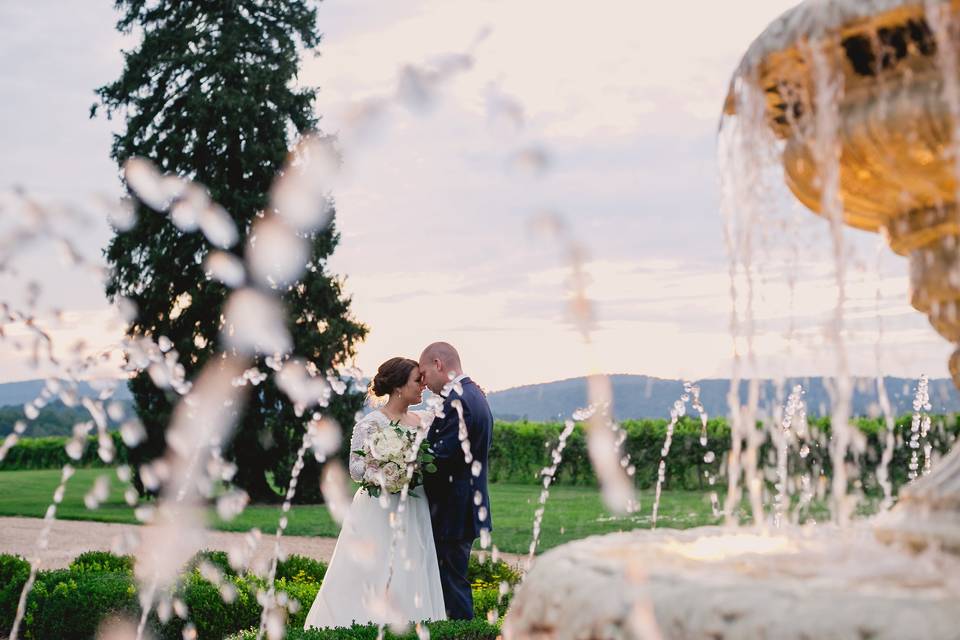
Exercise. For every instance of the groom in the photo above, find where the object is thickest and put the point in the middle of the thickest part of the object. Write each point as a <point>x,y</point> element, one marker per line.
<point>458,516</point>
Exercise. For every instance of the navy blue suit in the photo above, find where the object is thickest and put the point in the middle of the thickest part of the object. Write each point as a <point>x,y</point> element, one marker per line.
<point>457,518</point>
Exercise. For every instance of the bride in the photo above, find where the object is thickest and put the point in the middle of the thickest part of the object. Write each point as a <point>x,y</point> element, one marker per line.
<point>381,573</point>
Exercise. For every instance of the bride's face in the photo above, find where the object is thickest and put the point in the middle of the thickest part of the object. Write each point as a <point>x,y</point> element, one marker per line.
<point>412,391</point>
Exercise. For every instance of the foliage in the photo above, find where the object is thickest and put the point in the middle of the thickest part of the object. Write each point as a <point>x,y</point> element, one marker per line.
<point>14,571</point>
<point>488,602</point>
<point>209,613</point>
<point>219,559</point>
<point>50,453</point>
<point>71,603</point>
<point>102,562</point>
<point>520,450</point>
<point>298,568</point>
<point>518,453</point>
<point>443,630</point>
<point>208,95</point>
<point>490,574</point>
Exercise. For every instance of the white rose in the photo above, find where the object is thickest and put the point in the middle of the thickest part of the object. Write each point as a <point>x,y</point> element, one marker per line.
<point>394,477</point>
<point>387,445</point>
<point>376,445</point>
<point>371,475</point>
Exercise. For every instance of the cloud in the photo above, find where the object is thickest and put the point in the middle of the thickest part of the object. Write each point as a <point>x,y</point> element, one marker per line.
<point>623,97</point>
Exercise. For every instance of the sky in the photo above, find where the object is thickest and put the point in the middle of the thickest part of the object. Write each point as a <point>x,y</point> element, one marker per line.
<point>602,113</point>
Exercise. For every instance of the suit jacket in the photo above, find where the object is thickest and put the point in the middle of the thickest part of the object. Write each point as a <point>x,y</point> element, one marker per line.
<point>452,489</point>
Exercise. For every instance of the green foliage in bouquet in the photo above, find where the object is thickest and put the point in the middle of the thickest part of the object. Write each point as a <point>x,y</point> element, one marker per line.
<point>396,457</point>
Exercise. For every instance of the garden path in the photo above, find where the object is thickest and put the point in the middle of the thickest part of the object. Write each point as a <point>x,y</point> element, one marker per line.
<point>70,538</point>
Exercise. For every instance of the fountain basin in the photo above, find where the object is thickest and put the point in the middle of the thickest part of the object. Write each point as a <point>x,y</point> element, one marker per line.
<point>712,582</point>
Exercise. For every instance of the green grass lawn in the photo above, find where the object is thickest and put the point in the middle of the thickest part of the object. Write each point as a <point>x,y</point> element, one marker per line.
<point>571,513</point>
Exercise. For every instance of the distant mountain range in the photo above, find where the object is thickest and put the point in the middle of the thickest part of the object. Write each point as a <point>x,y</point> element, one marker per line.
<point>636,396</point>
<point>645,397</point>
<point>19,393</point>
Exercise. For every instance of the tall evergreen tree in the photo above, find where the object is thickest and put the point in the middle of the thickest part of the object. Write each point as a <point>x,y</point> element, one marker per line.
<point>207,95</point>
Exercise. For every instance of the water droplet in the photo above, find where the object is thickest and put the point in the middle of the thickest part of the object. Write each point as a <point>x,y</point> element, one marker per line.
<point>255,323</point>
<point>224,267</point>
<point>75,448</point>
<point>144,513</point>
<point>146,182</point>
<point>299,194</point>
<point>218,226</point>
<point>164,610</point>
<point>115,411</point>
<point>232,504</point>
<point>132,433</point>
<point>325,436</point>
<point>275,253</point>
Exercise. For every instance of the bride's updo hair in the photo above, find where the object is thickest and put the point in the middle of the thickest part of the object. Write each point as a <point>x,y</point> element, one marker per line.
<point>392,374</point>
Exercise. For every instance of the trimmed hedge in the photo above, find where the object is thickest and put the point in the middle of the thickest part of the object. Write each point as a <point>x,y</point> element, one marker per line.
<point>70,604</point>
<point>102,562</point>
<point>50,453</point>
<point>14,571</point>
<point>444,630</point>
<point>520,450</point>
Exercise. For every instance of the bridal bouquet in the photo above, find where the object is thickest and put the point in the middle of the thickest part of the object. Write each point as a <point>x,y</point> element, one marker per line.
<point>395,457</point>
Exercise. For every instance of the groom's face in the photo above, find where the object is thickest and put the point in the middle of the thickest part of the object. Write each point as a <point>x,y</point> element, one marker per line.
<point>431,372</point>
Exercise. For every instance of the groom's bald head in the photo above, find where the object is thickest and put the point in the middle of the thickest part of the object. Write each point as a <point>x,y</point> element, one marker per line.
<point>439,363</point>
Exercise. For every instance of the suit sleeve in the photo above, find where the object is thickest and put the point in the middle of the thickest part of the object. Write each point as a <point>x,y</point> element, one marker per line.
<point>446,443</point>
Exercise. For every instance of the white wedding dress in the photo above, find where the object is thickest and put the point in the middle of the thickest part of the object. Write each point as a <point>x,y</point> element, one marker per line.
<point>355,587</point>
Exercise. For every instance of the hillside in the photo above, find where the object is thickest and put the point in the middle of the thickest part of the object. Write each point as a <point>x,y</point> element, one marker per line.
<point>18,393</point>
<point>646,397</point>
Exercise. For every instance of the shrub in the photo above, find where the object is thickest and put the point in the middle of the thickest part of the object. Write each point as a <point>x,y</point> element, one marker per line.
<point>301,569</point>
<point>489,574</point>
<point>487,600</point>
<point>50,453</point>
<point>102,562</point>
<point>14,572</point>
<point>304,593</point>
<point>71,603</point>
<point>212,617</point>
<point>520,450</point>
<point>444,630</point>
<point>70,606</point>
<point>219,559</point>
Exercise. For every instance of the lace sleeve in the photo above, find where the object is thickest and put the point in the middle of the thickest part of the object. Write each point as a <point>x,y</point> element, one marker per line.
<point>361,432</point>
<point>426,418</point>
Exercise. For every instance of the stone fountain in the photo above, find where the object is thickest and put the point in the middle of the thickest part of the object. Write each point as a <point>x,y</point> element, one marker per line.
<point>860,100</point>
